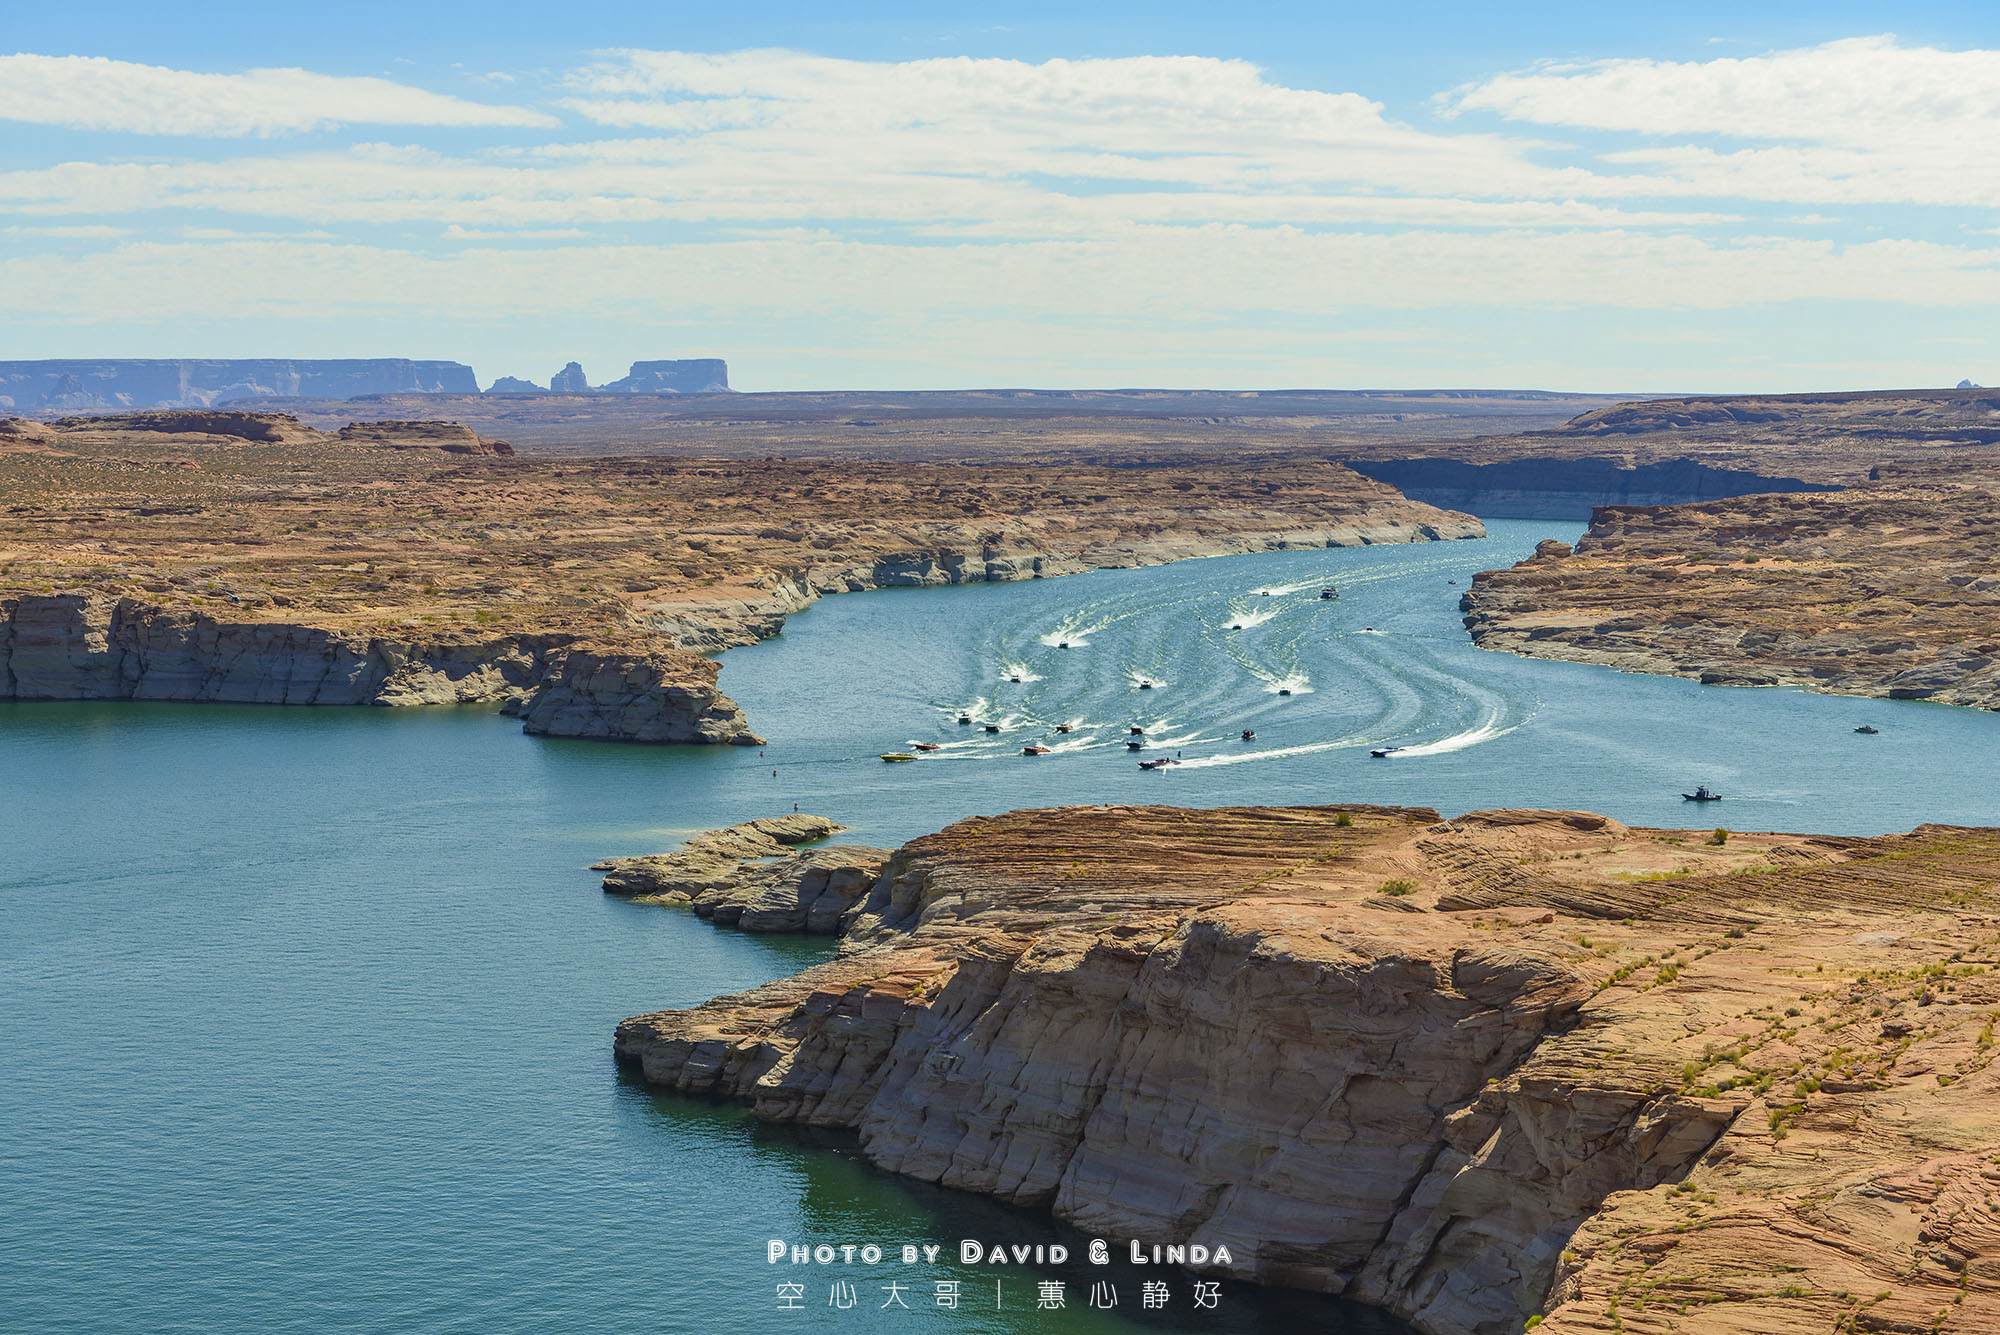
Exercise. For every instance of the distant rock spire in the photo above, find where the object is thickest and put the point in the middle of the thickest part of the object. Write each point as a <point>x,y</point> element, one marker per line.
<point>569,380</point>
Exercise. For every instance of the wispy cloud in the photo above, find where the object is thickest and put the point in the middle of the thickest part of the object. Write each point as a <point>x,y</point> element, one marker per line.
<point>92,93</point>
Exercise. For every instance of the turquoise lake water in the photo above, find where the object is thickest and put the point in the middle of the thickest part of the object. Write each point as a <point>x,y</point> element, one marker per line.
<point>305,1015</point>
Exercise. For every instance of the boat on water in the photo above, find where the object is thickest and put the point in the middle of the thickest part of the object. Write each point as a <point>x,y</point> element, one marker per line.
<point>1868,728</point>
<point>1249,734</point>
<point>894,756</point>
<point>1145,685</point>
<point>1701,794</point>
<point>1328,594</point>
<point>965,718</point>
<point>1284,690</point>
<point>925,746</point>
<point>1134,745</point>
<point>1161,763</point>
<point>1015,677</point>
<point>1034,750</point>
<point>1384,752</point>
<point>992,727</point>
<point>1236,627</point>
<point>1065,727</point>
<point>1138,731</point>
<point>1063,645</point>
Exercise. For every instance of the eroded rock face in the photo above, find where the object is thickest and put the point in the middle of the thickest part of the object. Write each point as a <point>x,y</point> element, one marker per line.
<point>752,876</point>
<point>569,380</point>
<point>73,647</point>
<point>1885,591</point>
<point>1471,1071</point>
<point>450,437</point>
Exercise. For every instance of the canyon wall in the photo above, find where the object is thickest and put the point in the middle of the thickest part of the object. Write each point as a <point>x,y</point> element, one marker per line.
<point>77,647</point>
<point>1484,1073</point>
<point>1557,488</point>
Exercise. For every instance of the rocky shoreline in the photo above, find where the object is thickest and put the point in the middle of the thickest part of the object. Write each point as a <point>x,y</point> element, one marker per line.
<point>1513,1068</point>
<point>1885,591</point>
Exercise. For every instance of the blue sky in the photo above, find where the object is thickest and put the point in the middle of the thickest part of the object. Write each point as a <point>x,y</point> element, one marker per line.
<point>1699,197</point>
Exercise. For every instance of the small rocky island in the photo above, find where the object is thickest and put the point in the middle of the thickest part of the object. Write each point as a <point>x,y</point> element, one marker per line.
<point>1515,1068</point>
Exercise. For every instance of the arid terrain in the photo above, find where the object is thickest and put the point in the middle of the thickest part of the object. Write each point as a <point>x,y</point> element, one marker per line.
<point>1516,1068</point>
<point>216,555</point>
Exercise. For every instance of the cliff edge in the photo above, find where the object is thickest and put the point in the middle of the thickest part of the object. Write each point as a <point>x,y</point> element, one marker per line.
<point>1518,1067</point>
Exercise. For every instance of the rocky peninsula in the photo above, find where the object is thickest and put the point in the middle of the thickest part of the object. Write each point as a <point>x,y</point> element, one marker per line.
<point>1515,1068</point>
<point>249,557</point>
<point>1887,590</point>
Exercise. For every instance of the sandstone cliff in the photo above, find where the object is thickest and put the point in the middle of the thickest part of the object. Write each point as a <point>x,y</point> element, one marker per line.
<point>74,647</point>
<point>84,385</point>
<point>1520,1065</point>
<point>753,876</point>
<point>1885,591</point>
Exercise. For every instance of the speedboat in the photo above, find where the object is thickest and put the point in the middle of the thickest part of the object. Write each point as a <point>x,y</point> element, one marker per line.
<point>1034,750</point>
<point>1134,745</point>
<point>1284,690</point>
<point>1145,685</point>
<point>1236,628</point>
<point>897,755</point>
<point>965,718</point>
<point>925,746</point>
<point>1138,731</point>
<point>1328,594</point>
<point>992,727</point>
<point>1701,794</point>
<point>1063,645</point>
<point>1015,677</point>
<point>1065,727</point>
<point>1868,728</point>
<point>1384,752</point>
<point>1161,763</point>
<point>1249,734</point>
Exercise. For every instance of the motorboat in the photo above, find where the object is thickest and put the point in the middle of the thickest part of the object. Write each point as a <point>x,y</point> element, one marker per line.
<point>925,746</point>
<point>965,718</point>
<point>1868,728</point>
<point>1701,794</point>
<point>1065,727</point>
<point>1161,763</point>
<point>1015,677</point>
<point>1138,731</point>
<point>1328,594</point>
<point>1249,734</point>
<point>1145,685</point>
<point>1284,690</point>
<point>992,727</point>
<point>1236,627</point>
<point>1063,645</point>
<point>1034,750</point>
<point>897,755</point>
<point>1384,752</point>
<point>1134,745</point>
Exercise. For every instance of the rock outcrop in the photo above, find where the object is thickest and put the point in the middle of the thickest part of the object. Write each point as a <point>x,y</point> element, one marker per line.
<point>753,876</point>
<point>75,647</point>
<point>1883,591</point>
<point>450,437</point>
<point>508,384</point>
<point>1519,1065</point>
<point>84,385</point>
<point>569,380</point>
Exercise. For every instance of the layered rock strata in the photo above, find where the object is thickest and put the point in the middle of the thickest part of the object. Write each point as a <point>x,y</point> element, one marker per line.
<point>753,876</point>
<point>73,647</point>
<point>1886,591</point>
<point>1515,1066</point>
<point>248,530</point>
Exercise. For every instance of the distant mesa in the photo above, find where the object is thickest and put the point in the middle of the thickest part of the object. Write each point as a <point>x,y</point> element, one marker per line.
<point>1967,384</point>
<point>569,380</point>
<point>125,383</point>
<point>692,375</point>
<point>508,384</point>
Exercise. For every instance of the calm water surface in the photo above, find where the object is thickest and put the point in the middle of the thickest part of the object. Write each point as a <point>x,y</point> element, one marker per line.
<point>305,1014</point>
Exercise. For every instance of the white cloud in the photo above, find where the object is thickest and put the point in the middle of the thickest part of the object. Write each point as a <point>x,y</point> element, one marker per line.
<point>1860,121</point>
<point>92,93</point>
